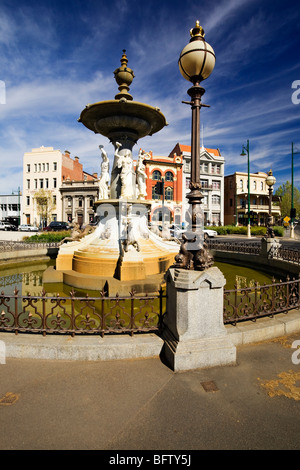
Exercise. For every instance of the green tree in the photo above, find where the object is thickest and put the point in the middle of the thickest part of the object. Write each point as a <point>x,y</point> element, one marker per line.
<point>44,204</point>
<point>285,193</point>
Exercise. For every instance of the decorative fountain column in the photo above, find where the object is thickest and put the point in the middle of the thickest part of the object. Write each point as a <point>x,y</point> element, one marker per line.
<point>122,248</point>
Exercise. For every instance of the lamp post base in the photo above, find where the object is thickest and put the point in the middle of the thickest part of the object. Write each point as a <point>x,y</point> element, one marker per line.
<point>249,231</point>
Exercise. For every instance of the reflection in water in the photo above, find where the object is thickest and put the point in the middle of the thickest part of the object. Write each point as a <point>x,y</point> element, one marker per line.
<point>29,279</point>
<point>241,277</point>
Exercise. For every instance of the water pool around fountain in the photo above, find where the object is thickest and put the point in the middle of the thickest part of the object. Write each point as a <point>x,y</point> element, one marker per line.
<point>28,279</point>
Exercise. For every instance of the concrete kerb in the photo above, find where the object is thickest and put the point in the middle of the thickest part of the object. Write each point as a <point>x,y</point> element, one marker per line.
<point>142,346</point>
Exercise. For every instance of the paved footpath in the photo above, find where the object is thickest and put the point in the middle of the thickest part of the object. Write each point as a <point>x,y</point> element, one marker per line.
<point>141,405</point>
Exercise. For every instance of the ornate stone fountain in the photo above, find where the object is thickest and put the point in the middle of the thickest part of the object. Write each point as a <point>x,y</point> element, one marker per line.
<point>122,248</point>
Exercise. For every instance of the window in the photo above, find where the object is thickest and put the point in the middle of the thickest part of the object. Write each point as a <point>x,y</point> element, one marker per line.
<point>35,167</point>
<point>69,201</point>
<point>230,202</point>
<point>41,183</point>
<point>205,167</point>
<point>28,168</point>
<point>169,194</point>
<point>204,183</point>
<point>54,183</point>
<point>43,166</point>
<point>54,166</point>
<point>46,183</point>
<point>54,200</point>
<point>216,185</point>
<point>39,167</point>
<point>215,199</point>
<point>241,184</point>
<point>169,176</point>
<point>187,183</point>
<point>80,202</point>
<point>187,166</point>
<point>47,166</point>
<point>91,201</point>
<point>28,184</point>
<point>35,184</point>
<point>28,200</point>
<point>156,175</point>
<point>261,185</point>
<point>254,184</point>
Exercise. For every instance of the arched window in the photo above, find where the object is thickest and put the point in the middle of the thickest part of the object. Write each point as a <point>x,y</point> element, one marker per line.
<point>169,193</point>
<point>156,175</point>
<point>169,176</point>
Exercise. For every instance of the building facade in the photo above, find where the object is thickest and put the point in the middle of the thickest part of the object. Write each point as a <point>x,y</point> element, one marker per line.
<point>78,199</point>
<point>10,208</point>
<point>211,178</point>
<point>44,170</point>
<point>166,205</point>
<point>236,200</point>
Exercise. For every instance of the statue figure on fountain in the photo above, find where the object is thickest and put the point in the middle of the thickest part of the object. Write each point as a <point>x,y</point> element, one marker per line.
<point>141,175</point>
<point>104,178</point>
<point>126,176</point>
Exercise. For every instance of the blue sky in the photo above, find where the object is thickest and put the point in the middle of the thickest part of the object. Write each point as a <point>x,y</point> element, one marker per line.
<point>57,56</point>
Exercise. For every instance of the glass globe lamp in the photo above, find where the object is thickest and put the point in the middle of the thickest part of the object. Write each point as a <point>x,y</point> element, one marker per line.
<point>197,59</point>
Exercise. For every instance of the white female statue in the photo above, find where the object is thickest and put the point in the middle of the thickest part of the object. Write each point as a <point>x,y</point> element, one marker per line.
<point>126,175</point>
<point>141,176</point>
<point>104,178</point>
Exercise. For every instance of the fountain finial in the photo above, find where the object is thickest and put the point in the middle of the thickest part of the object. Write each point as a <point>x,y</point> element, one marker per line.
<point>124,76</point>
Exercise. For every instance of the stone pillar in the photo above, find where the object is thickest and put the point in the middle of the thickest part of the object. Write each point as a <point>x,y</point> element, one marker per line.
<point>194,333</point>
<point>269,247</point>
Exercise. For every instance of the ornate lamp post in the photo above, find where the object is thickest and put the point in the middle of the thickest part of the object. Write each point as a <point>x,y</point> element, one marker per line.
<point>270,180</point>
<point>196,63</point>
<point>243,154</point>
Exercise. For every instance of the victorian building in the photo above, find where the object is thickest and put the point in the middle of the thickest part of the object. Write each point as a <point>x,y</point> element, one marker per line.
<point>78,198</point>
<point>44,171</point>
<point>236,201</point>
<point>164,188</point>
<point>212,181</point>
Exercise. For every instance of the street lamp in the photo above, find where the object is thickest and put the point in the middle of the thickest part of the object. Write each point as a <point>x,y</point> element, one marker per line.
<point>243,154</point>
<point>196,62</point>
<point>270,180</point>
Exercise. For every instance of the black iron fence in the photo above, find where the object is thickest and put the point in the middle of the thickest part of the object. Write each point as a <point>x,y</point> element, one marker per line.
<point>291,255</point>
<point>257,301</point>
<point>133,313</point>
<point>7,246</point>
<point>142,313</point>
<point>252,248</point>
<point>77,315</point>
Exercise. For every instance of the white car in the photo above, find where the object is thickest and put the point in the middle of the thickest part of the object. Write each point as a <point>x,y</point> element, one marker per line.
<point>208,233</point>
<point>176,232</point>
<point>7,226</point>
<point>27,228</point>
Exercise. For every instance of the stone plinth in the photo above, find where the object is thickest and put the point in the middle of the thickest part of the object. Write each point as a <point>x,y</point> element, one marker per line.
<point>194,333</point>
<point>269,246</point>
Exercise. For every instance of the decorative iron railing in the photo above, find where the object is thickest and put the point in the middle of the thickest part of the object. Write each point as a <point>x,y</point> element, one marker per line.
<point>17,246</point>
<point>252,248</point>
<point>291,255</point>
<point>134,313</point>
<point>261,300</point>
<point>81,315</point>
